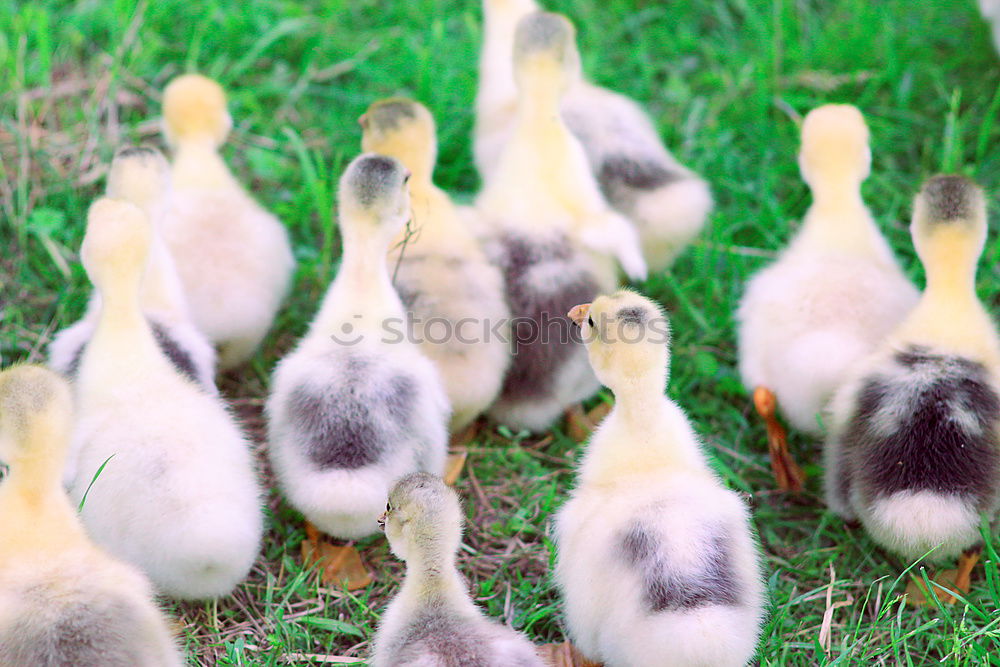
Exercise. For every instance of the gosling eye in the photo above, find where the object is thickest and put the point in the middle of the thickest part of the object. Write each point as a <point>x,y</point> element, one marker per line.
<point>388,507</point>
<point>590,320</point>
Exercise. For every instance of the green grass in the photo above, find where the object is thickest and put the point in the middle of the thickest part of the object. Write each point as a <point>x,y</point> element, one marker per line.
<point>725,81</point>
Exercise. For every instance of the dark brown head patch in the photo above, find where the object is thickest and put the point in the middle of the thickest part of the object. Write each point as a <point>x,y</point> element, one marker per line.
<point>372,177</point>
<point>390,114</point>
<point>950,198</point>
<point>543,32</point>
<point>631,315</point>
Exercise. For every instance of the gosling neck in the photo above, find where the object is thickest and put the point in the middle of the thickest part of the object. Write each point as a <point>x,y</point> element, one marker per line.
<point>120,306</point>
<point>417,156</point>
<point>161,289</point>
<point>839,219</point>
<point>421,178</point>
<point>362,292</point>
<point>645,432</point>
<point>639,398</point>
<point>34,505</point>
<point>363,260</point>
<point>950,265</point>
<point>538,101</point>
<point>423,221</point>
<point>433,578</point>
<point>839,198</point>
<point>197,164</point>
<point>500,19</point>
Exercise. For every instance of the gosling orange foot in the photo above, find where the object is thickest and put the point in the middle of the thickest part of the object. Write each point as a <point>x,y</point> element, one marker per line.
<point>966,564</point>
<point>465,436</point>
<point>453,466</point>
<point>564,655</point>
<point>337,565</point>
<point>580,424</point>
<point>313,539</point>
<point>954,581</point>
<point>787,473</point>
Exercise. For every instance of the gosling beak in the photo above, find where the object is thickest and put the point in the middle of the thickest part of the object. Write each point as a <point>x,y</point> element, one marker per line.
<point>579,313</point>
<point>381,521</point>
<point>363,120</point>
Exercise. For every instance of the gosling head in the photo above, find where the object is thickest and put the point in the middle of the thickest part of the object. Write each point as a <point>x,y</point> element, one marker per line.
<point>116,246</point>
<point>423,519</point>
<point>835,148</point>
<point>194,109</point>
<point>141,175</point>
<point>374,196</point>
<point>35,414</point>
<point>627,337</point>
<point>402,129</point>
<point>949,223</point>
<point>545,54</point>
<point>509,9</point>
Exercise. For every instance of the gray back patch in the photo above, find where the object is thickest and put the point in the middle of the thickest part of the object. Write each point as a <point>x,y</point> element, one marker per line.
<point>176,355</point>
<point>667,589</point>
<point>619,174</point>
<point>929,424</point>
<point>356,422</point>
<point>543,337</point>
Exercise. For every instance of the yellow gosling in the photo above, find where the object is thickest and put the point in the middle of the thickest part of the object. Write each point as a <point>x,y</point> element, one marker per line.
<point>914,447</point>
<point>177,494</point>
<point>356,405</point>
<point>657,564</point>
<point>63,601</point>
<point>448,286</point>
<point>141,176</point>
<point>432,621</point>
<point>667,202</point>
<point>233,257</point>
<point>831,296</point>
<point>551,232</point>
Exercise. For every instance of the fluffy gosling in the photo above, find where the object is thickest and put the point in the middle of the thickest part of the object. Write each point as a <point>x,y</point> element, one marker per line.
<point>441,273</point>
<point>168,477</point>
<point>914,448</point>
<point>63,601</point>
<point>831,296</point>
<point>656,560</point>
<point>234,258</point>
<point>355,406</point>
<point>551,232</point>
<point>432,621</point>
<point>141,175</point>
<point>667,202</point>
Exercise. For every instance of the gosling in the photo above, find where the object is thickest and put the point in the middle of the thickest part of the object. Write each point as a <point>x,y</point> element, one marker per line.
<point>432,621</point>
